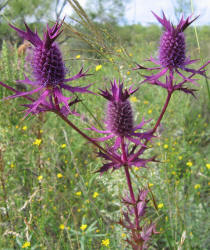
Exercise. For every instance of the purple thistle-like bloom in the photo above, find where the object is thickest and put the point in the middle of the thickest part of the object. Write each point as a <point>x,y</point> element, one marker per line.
<point>119,118</point>
<point>49,73</point>
<point>172,57</point>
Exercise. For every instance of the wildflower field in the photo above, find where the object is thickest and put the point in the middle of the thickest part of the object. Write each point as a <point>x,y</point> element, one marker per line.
<point>55,192</point>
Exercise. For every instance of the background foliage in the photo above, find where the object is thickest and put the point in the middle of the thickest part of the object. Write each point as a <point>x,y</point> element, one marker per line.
<point>50,195</point>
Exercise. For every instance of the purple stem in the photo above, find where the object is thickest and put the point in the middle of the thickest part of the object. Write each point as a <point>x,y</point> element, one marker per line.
<point>129,182</point>
<point>16,91</point>
<point>157,123</point>
<point>56,102</point>
<point>163,111</point>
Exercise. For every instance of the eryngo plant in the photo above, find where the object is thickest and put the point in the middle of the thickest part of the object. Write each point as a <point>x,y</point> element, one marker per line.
<point>48,72</point>
<point>127,145</point>
<point>172,58</point>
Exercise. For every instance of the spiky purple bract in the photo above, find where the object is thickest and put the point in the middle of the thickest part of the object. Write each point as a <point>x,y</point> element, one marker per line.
<point>117,161</point>
<point>140,237</point>
<point>49,73</point>
<point>119,118</point>
<point>172,57</point>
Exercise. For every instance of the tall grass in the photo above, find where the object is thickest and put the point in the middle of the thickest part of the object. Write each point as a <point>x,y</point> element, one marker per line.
<point>49,188</point>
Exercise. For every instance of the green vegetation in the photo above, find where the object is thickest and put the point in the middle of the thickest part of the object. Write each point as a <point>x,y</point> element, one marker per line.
<point>50,195</point>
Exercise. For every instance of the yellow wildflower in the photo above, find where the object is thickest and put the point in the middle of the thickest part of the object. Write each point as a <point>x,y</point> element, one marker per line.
<point>12,165</point>
<point>128,72</point>
<point>133,99</point>
<point>160,205</point>
<point>26,244</point>
<point>189,164</point>
<point>151,184</point>
<point>97,230</point>
<point>39,178</point>
<point>146,102</point>
<point>78,210</point>
<point>83,227</point>
<point>150,111</point>
<point>37,142</point>
<point>24,128</point>
<point>123,235</point>
<point>41,131</point>
<point>197,186</point>
<point>62,227</point>
<point>63,145</point>
<point>78,56</point>
<point>79,193</point>
<point>165,146</point>
<point>130,54</point>
<point>105,242</point>
<point>95,194</point>
<point>180,157</point>
<point>208,165</point>
<point>98,67</point>
<point>118,50</point>
<point>59,175</point>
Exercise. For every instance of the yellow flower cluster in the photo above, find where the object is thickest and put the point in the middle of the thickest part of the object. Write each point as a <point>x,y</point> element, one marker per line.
<point>98,67</point>
<point>160,205</point>
<point>62,227</point>
<point>105,242</point>
<point>26,244</point>
<point>197,186</point>
<point>37,142</point>
<point>59,175</point>
<point>133,99</point>
<point>95,194</point>
<point>83,227</point>
<point>189,164</point>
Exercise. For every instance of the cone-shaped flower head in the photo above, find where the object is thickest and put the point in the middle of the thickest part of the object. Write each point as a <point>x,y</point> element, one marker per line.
<point>119,111</point>
<point>172,42</point>
<point>47,62</point>
<point>172,57</point>
<point>48,72</point>
<point>119,116</point>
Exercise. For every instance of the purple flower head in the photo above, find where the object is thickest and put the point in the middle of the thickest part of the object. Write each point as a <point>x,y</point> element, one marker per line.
<point>48,72</point>
<point>172,56</point>
<point>172,42</point>
<point>119,117</point>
